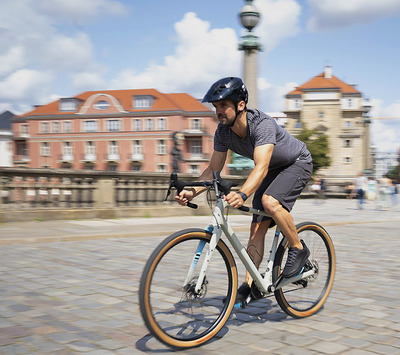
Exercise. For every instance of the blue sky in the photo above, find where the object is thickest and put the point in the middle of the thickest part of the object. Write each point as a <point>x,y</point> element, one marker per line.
<point>59,48</point>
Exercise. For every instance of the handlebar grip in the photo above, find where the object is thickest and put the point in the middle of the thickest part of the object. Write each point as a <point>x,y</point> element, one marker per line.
<point>244,209</point>
<point>192,205</point>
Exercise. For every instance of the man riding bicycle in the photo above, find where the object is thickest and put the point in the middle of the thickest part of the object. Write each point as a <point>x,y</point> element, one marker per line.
<point>283,167</point>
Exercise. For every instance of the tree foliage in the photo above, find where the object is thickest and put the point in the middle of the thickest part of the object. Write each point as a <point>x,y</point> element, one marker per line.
<point>317,144</point>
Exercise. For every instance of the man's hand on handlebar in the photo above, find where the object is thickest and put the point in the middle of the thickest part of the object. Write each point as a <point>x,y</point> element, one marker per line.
<point>234,199</point>
<point>184,197</point>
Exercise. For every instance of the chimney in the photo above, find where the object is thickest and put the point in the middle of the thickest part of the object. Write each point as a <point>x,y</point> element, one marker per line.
<point>328,72</point>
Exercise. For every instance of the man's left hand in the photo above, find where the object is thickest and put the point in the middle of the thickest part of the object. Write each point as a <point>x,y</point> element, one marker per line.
<point>234,200</point>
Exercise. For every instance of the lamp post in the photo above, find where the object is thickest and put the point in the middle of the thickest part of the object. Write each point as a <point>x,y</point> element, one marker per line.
<point>249,18</point>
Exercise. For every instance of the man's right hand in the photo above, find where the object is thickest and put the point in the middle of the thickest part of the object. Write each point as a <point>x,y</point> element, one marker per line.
<point>184,197</point>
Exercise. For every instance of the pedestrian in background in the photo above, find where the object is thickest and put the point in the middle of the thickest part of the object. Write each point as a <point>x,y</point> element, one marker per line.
<point>361,187</point>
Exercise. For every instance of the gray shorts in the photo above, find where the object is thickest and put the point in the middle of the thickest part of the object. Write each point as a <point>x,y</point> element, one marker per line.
<point>285,185</point>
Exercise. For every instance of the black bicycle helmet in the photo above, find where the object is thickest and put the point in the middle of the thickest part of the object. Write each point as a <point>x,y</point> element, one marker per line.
<point>230,88</point>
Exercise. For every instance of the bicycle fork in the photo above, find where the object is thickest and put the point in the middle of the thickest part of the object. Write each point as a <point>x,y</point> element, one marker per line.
<point>216,234</point>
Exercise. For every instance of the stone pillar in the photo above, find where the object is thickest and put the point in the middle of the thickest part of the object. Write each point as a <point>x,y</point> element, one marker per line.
<point>104,193</point>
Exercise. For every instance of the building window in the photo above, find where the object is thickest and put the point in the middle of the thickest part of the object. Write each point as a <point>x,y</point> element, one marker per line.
<point>136,167</point>
<point>347,143</point>
<point>90,126</point>
<point>347,124</point>
<point>161,147</point>
<point>90,148</point>
<point>112,166</point>
<point>137,147</point>
<point>101,105</point>
<point>142,101</point>
<point>113,147</point>
<point>196,124</point>
<point>162,124</point>
<point>68,104</point>
<point>56,127</point>
<point>161,168</point>
<point>320,115</point>
<point>88,166</point>
<point>24,129</point>
<point>45,149</point>
<point>137,124</point>
<point>194,169</point>
<point>347,160</point>
<point>297,103</point>
<point>67,126</point>
<point>196,148</point>
<point>149,124</point>
<point>114,125</point>
<point>67,148</point>
<point>44,127</point>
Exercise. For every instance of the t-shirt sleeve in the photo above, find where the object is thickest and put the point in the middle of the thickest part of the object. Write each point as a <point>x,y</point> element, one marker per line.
<point>218,142</point>
<point>265,133</point>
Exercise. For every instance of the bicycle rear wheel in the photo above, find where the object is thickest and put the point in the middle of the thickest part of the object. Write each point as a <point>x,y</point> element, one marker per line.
<point>171,309</point>
<point>306,297</point>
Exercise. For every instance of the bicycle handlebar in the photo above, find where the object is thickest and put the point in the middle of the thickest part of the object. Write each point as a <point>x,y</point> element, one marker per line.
<point>220,186</point>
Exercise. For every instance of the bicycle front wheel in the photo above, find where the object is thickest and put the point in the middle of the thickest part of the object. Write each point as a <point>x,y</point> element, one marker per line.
<point>171,308</point>
<point>305,297</point>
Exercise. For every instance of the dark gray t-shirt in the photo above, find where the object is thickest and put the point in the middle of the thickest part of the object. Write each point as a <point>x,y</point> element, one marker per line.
<point>262,129</point>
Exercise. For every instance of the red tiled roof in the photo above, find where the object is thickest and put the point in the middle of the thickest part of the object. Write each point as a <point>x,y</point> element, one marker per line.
<point>320,82</point>
<point>162,102</point>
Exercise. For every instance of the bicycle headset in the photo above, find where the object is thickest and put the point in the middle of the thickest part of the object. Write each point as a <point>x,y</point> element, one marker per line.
<point>230,88</point>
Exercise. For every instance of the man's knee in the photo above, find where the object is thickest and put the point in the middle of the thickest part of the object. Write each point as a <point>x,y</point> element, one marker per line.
<point>271,205</point>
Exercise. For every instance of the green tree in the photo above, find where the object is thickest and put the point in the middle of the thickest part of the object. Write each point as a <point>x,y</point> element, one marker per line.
<point>317,144</point>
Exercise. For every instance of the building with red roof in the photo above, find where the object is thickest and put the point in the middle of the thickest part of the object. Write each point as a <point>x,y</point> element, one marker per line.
<point>330,106</point>
<point>121,130</point>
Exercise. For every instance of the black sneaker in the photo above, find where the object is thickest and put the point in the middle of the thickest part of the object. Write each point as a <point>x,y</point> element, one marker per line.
<point>243,296</point>
<point>295,260</point>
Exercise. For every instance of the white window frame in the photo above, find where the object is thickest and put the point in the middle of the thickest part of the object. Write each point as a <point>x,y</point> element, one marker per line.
<point>162,168</point>
<point>114,125</point>
<point>45,149</point>
<point>113,147</point>
<point>67,126</point>
<point>44,127</point>
<point>137,147</point>
<point>137,124</point>
<point>162,147</point>
<point>24,129</point>
<point>196,148</point>
<point>195,124</point>
<point>90,126</point>
<point>68,148</point>
<point>149,124</point>
<point>162,124</point>
<point>56,127</point>
<point>90,147</point>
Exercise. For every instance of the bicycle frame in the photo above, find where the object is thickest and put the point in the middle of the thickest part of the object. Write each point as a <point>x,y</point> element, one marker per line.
<point>219,225</point>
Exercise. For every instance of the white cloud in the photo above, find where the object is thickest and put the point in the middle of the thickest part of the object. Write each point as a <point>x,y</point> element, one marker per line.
<point>24,83</point>
<point>88,81</point>
<point>13,59</point>
<point>36,52</point>
<point>79,10</point>
<point>327,14</point>
<point>271,97</point>
<point>202,56</point>
<point>279,20</point>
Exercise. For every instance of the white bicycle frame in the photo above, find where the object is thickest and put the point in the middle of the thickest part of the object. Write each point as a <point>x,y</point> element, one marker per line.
<point>218,225</point>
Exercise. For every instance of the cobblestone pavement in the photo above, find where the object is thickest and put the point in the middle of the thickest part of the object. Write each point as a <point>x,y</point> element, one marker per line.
<point>70,287</point>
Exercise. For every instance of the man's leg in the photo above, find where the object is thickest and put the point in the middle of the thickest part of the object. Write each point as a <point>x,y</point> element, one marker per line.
<point>255,245</point>
<point>298,252</point>
<point>283,219</point>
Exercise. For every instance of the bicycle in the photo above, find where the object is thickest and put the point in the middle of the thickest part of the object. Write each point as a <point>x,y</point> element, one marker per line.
<point>188,286</point>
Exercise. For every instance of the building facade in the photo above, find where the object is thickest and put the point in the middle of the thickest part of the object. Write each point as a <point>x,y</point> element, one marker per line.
<point>337,109</point>
<point>117,130</point>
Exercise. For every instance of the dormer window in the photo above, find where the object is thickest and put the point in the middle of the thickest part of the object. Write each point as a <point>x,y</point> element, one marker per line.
<point>142,101</point>
<point>69,104</point>
<point>101,105</point>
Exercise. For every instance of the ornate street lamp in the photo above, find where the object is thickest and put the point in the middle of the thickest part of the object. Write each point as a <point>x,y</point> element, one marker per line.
<point>249,18</point>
